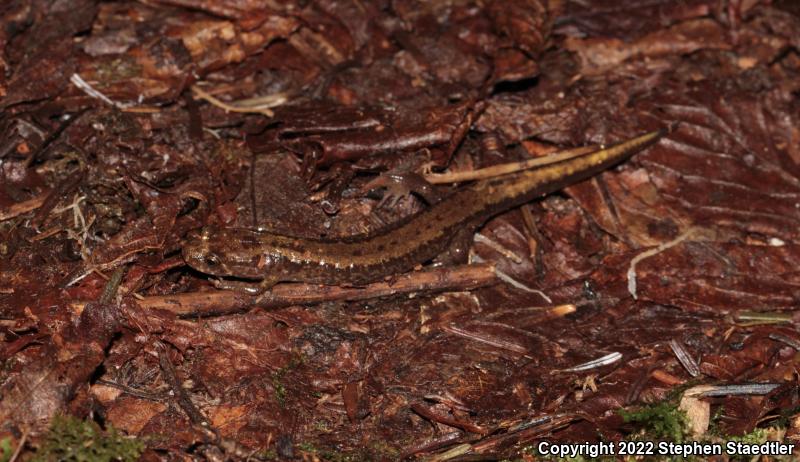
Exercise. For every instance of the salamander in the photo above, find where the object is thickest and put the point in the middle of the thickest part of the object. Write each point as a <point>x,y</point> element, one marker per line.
<point>260,255</point>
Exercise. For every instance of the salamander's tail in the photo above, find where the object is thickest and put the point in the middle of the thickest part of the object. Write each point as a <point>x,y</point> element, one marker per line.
<point>527,185</point>
<point>585,166</point>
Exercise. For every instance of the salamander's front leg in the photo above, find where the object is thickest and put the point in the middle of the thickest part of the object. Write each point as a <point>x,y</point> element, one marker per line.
<point>250,288</point>
<point>400,185</point>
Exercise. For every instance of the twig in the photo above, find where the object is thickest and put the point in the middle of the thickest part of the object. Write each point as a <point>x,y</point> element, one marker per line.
<point>111,287</point>
<point>497,247</point>
<point>433,416</point>
<point>787,340</point>
<point>731,390</point>
<point>610,358</point>
<point>19,446</point>
<point>526,431</point>
<point>665,377</point>
<point>66,186</point>
<point>636,389</point>
<point>260,105</point>
<point>452,453</point>
<point>77,216</point>
<point>132,391</point>
<point>686,359</point>
<point>532,234</point>
<point>513,282</point>
<point>225,302</point>
<point>431,445</point>
<point>67,120</point>
<point>511,167</point>
<point>755,318</point>
<point>47,233</point>
<point>185,402</point>
<point>84,86</point>
<point>649,253</point>
<point>23,207</point>
<point>488,340</point>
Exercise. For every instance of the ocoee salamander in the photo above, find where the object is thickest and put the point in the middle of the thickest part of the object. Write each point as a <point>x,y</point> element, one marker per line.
<point>271,258</point>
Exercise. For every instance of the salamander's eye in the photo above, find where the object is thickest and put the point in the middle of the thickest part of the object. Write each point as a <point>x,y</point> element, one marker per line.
<point>211,260</point>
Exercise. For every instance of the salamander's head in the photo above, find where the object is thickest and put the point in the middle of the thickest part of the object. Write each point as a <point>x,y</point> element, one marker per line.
<point>221,252</point>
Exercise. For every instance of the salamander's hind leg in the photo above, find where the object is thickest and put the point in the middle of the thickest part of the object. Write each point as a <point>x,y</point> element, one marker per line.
<point>457,252</point>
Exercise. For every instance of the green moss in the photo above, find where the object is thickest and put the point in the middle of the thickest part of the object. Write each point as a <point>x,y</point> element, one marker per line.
<point>662,421</point>
<point>531,450</point>
<point>307,447</point>
<point>278,376</point>
<point>375,451</point>
<point>71,439</point>
<point>268,454</point>
<point>665,422</point>
<point>384,450</point>
<point>322,426</point>
<point>280,391</point>
<point>6,451</point>
<point>757,436</point>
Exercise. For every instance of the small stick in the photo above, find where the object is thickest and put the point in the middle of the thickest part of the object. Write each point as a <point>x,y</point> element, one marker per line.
<point>610,358</point>
<point>133,391</point>
<point>434,416</point>
<point>85,87</point>
<point>532,234</point>
<point>111,287</point>
<point>505,169</point>
<point>23,207</point>
<point>487,340</point>
<point>219,302</point>
<point>259,105</point>
<point>21,445</point>
<point>181,395</point>
<point>636,388</point>
<point>631,275</point>
<point>431,445</point>
<point>52,137</point>
<point>686,359</point>
<point>66,186</point>
<point>527,432</point>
